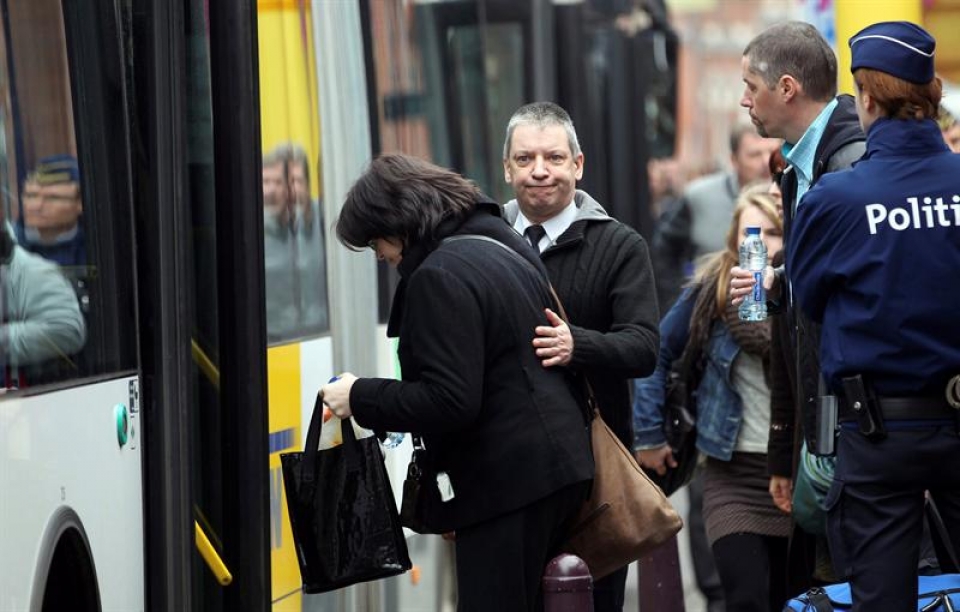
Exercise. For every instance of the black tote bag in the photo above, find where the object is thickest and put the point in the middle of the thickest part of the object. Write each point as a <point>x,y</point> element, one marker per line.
<point>342,513</point>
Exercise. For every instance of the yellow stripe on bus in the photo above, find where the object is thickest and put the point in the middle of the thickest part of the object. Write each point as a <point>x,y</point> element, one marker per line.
<point>283,393</point>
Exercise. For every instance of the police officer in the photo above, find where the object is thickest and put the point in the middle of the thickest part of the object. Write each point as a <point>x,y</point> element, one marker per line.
<point>876,259</point>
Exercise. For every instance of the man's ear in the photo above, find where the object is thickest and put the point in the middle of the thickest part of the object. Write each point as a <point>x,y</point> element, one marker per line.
<point>788,87</point>
<point>507,175</point>
<point>578,161</point>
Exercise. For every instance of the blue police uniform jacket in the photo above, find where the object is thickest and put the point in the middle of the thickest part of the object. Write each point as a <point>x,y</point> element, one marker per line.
<point>719,408</point>
<point>875,258</point>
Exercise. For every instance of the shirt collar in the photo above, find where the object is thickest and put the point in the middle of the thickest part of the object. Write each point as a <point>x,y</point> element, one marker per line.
<point>802,156</point>
<point>554,226</point>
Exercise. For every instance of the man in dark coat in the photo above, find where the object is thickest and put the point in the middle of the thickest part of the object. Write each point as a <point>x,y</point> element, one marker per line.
<point>599,267</point>
<point>790,76</point>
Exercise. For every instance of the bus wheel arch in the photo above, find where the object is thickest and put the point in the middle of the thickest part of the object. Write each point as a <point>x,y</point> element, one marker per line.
<point>66,574</point>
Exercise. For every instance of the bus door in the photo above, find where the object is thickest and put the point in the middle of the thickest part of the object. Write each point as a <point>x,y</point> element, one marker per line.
<point>195,154</point>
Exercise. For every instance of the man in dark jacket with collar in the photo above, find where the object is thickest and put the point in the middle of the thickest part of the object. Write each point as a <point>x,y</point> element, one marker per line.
<point>599,267</point>
<point>790,76</point>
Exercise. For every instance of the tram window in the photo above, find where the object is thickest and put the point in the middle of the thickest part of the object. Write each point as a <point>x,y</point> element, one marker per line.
<point>67,277</point>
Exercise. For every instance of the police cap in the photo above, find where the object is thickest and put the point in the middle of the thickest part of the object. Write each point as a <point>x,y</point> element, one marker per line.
<point>57,169</point>
<point>898,48</point>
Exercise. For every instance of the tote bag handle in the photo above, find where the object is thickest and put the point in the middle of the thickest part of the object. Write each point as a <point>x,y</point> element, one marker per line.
<point>350,447</point>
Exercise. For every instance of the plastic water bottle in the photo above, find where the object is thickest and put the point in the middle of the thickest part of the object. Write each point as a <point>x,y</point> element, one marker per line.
<point>753,257</point>
<point>393,439</point>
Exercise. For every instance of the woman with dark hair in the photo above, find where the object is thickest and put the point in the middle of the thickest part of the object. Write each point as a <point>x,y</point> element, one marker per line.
<point>505,436</point>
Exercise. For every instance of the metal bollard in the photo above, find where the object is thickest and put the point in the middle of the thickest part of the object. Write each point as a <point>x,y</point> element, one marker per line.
<point>567,585</point>
<point>659,580</point>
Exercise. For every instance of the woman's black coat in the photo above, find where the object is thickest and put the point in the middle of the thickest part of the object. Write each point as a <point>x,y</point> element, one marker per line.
<point>507,430</point>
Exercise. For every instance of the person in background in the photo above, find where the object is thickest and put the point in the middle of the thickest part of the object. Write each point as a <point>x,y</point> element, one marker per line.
<point>950,128</point>
<point>308,228</point>
<point>52,227</point>
<point>601,271</point>
<point>508,434</point>
<point>42,326</point>
<point>294,246</point>
<point>666,183</point>
<point>875,258</point>
<point>666,186</point>
<point>695,226</point>
<point>746,531</point>
<point>52,209</point>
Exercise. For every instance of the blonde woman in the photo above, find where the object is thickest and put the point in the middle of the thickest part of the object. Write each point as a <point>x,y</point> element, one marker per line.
<point>746,531</point>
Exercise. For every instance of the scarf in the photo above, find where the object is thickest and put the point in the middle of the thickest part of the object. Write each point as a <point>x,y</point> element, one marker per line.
<point>751,337</point>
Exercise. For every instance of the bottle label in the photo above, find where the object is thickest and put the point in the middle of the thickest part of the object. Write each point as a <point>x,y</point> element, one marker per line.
<point>758,286</point>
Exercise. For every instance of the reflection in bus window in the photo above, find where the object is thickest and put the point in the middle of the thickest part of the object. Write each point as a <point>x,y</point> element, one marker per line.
<point>293,247</point>
<point>52,206</point>
<point>67,278</point>
<point>42,326</point>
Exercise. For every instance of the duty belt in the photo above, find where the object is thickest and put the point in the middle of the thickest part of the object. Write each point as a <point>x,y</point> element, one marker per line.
<point>920,407</point>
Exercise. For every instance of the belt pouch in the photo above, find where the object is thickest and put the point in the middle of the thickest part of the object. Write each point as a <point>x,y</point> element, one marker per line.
<point>865,407</point>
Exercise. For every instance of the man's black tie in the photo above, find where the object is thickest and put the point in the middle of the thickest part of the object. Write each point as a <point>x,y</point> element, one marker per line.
<point>534,234</point>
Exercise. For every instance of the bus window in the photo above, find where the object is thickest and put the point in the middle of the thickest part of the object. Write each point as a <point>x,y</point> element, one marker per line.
<point>67,270</point>
<point>293,246</point>
<point>295,230</point>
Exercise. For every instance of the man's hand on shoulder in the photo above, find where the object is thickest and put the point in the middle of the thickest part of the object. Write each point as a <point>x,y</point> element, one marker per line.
<point>554,343</point>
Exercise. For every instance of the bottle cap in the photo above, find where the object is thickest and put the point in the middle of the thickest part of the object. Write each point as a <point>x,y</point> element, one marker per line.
<point>753,230</point>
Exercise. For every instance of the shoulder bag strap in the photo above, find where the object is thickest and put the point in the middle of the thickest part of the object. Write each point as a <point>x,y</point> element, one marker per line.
<point>685,365</point>
<point>592,407</point>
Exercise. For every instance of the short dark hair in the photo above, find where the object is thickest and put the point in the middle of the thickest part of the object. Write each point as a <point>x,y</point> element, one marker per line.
<point>542,114</point>
<point>401,196</point>
<point>795,48</point>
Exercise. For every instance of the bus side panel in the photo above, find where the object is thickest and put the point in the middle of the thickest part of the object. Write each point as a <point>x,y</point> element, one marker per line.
<point>61,451</point>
